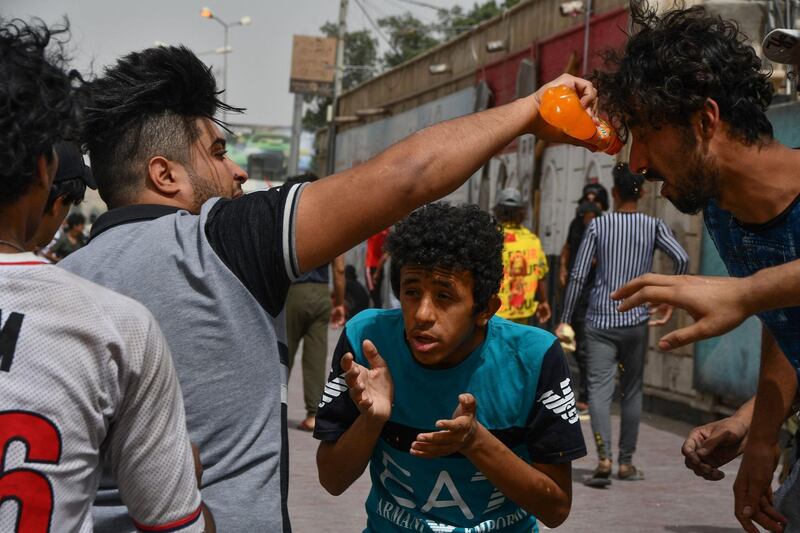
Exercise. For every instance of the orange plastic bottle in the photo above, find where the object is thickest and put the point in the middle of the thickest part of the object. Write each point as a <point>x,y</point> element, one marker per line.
<point>562,108</point>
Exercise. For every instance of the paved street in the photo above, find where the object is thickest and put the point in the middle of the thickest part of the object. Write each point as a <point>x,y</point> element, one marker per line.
<point>671,499</point>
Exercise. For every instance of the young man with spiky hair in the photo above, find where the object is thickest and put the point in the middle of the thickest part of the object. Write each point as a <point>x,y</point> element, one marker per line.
<point>214,266</point>
<point>694,96</point>
<point>467,420</point>
<point>85,374</point>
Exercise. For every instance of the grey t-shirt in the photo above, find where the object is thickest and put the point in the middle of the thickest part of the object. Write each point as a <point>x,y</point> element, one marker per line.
<point>216,283</point>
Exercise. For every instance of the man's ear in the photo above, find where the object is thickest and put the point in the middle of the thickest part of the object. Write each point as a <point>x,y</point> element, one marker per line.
<point>707,120</point>
<point>491,308</point>
<point>161,176</point>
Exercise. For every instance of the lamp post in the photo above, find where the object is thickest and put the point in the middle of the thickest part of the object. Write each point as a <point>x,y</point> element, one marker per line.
<point>244,21</point>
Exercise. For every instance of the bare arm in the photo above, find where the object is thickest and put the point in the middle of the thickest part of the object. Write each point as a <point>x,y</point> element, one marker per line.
<point>777,387</point>
<point>543,490</point>
<point>543,312</point>
<point>563,270</point>
<point>338,310</point>
<point>337,212</point>
<point>342,462</point>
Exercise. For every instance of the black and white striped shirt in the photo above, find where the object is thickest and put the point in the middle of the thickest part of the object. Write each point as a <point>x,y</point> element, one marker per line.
<point>623,244</point>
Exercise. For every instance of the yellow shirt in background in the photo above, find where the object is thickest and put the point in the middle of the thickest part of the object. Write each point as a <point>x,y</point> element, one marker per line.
<point>524,264</point>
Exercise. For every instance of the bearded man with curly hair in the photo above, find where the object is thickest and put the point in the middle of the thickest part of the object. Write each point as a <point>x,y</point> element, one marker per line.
<point>693,95</point>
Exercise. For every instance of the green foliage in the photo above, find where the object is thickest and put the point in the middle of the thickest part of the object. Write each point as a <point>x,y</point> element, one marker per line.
<point>456,20</point>
<point>361,50</point>
<point>409,37</point>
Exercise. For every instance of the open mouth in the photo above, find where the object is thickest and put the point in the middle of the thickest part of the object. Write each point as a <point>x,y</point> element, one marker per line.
<point>423,343</point>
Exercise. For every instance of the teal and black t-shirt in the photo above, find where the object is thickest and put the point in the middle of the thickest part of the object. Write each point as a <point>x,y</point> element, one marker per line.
<point>521,383</point>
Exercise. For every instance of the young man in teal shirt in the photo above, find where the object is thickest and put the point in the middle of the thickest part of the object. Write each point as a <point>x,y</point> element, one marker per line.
<point>467,421</point>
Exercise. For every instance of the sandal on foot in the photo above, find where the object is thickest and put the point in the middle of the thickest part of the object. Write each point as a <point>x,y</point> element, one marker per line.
<point>629,473</point>
<point>600,478</point>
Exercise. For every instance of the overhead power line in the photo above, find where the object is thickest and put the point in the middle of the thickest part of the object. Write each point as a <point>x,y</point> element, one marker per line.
<point>376,26</point>
<point>423,4</point>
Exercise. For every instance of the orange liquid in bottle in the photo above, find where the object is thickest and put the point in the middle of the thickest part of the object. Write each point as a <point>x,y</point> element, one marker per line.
<point>562,108</point>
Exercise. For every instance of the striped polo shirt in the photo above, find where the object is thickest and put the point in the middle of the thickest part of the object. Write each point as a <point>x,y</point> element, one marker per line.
<point>623,244</point>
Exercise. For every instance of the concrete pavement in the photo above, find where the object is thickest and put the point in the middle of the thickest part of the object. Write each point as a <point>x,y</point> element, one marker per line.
<point>670,500</point>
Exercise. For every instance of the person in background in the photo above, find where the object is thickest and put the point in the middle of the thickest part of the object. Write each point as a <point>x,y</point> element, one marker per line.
<point>72,238</point>
<point>415,393</point>
<point>523,292</point>
<point>310,307</point>
<point>69,186</point>
<point>623,244</point>
<point>356,296</point>
<point>592,204</point>
<point>374,262</point>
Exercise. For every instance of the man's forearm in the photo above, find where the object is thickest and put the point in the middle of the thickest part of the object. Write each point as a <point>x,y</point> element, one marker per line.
<point>422,168</point>
<point>338,280</point>
<point>342,462</point>
<point>773,288</point>
<point>525,485</point>
<point>777,388</point>
<point>541,291</point>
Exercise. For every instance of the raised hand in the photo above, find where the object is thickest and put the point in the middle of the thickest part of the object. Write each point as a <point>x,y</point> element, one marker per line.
<point>371,389</point>
<point>453,436</point>
<point>587,94</point>
<point>713,445</point>
<point>717,304</point>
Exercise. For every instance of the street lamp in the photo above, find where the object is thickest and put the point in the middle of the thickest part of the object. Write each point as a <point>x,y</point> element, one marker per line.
<point>244,21</point>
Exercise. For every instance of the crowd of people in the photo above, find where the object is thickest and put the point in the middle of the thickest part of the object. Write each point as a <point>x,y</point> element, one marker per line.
<point>145,376</point>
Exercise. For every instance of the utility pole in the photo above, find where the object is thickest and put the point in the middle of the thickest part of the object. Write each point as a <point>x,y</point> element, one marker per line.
<point>587,24</point>
<point>297,128</point>
<point>337,85</point>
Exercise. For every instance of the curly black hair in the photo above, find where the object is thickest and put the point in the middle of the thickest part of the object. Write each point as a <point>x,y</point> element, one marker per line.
<point>461,238</point>
<point>143,106</point>
<point>674,62</point>
<point>39,104</point>
<point>72,191</point>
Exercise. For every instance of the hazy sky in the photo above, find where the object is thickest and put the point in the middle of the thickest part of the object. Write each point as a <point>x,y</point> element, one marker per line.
<point>258,67</point>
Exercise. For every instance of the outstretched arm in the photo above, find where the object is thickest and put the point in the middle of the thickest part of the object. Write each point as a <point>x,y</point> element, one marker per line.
<point>337,212</point>
<point>718,304</point>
